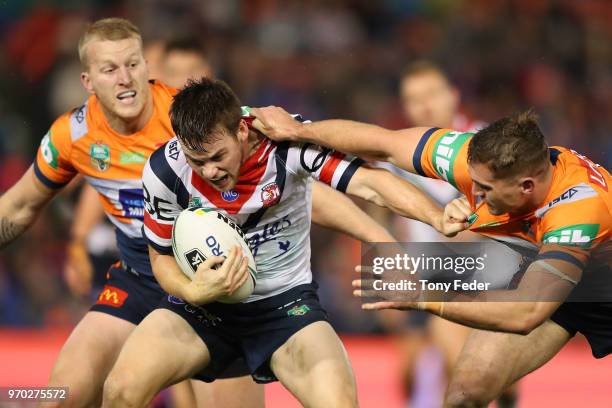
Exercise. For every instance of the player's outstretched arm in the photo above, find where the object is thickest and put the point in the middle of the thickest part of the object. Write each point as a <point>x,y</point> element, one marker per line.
<point>361,139</point>
<point>385,189</point>
<point>208,283</point>
<point>543,288</point>
<point>332,209</point>
<point>78,269</point>
<point>20,206</point>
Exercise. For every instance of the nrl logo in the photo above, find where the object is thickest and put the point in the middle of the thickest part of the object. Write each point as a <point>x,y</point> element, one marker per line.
<point>100,156</point>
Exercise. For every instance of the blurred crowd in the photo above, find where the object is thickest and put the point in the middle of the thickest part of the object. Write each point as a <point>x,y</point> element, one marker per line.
<point>322,58</point>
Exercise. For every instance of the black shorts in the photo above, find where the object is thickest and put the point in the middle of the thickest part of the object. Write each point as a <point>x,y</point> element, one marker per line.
<point>249,333</point>
<point>592,319</point>
<point>127,295</point>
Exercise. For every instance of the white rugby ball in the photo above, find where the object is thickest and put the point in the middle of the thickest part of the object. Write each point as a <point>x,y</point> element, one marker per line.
<point>200,233</point>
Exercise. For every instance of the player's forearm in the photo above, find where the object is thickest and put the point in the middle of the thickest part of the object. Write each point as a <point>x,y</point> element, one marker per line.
<point>334,210</point>
<point>170,277</point>
<point>360,139</point>
<point>405,199</point>
<point>511,317</point>
<point>15,217</point>
<point>19,207</point>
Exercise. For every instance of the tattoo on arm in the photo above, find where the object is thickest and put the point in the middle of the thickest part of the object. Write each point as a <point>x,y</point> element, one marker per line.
<point>9,231</point>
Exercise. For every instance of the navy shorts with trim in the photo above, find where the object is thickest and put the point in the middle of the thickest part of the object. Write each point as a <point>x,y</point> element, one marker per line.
<point>127,295</point>
<point>592,319</point>
<point>249,333</point>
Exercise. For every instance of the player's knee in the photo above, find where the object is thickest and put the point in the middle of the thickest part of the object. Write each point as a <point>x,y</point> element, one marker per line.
<point>121,390</point>
<point>467,394</point>
<point>80,392</point>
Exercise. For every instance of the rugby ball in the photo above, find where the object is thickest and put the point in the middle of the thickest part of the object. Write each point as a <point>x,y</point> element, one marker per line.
<point>200,233</point>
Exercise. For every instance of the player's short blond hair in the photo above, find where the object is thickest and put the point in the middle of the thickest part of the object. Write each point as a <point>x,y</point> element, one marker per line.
<point>111,29</point>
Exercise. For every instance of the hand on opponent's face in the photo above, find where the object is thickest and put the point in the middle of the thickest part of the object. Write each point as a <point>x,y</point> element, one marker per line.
<point>276,123</point>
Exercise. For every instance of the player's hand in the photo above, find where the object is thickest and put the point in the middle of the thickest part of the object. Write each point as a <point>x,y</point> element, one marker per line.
<point>276,123</point>
<point>455,217</point>
<point>362,288</point>
<point>212,281</point>
<point>78,270</point>
<point>365,287</point>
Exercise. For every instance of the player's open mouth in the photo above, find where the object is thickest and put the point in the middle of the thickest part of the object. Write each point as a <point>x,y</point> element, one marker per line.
<point>220,182</point>
<point>127,97</point>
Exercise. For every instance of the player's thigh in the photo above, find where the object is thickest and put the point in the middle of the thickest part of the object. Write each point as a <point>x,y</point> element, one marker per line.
<point>88,355</point>
<point>314,366</point>
<point>163,350</point>
<point>491,361</point>
<point>449,337</point>
<point>240,392</point>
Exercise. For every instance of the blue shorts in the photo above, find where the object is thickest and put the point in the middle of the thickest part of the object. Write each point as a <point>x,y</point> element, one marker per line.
<point>249,333</point>
<point>128,295</point>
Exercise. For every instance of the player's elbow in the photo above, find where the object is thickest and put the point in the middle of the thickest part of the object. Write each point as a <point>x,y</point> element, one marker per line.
<point>528,320</point>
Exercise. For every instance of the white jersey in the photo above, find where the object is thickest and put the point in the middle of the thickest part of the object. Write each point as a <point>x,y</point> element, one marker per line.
<point>271,202</point>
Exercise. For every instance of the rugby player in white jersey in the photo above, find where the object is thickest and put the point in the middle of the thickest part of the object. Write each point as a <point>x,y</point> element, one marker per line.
<point>181,60</point>
<point>281,330</point>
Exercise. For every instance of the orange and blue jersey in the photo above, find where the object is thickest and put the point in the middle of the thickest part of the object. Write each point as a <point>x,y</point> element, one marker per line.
<point>82,141</point>
<point>574,218</point>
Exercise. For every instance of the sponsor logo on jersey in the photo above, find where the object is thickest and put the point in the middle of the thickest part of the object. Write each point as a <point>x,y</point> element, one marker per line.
<point>270,232</point>
<point>445,153</point>
<point>100,156</point>
<point>575,235</point>
<point>132,202</point>
<point>298,310</point>
<point>112,296</point>
<point>173,151</point>
<point>49,152</point>
<point>270,194</point>
<point>132,157</point>
<point>230,195</point>
<point>575,193</point>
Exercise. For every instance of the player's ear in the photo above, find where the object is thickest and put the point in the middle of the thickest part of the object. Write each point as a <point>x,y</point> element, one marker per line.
<point>527,185</point>
<point>243,131</point>
<point>86,81</point>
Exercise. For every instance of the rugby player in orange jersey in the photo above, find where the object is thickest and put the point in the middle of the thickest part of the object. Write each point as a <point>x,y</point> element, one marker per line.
<point>552,204</point>
<point>71,146</point>
<point>429,98</point>
<point>108,139</point>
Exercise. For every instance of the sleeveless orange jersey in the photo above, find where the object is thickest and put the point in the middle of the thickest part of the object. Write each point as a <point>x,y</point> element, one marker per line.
<point>81,141</point>
<point>575,216</point>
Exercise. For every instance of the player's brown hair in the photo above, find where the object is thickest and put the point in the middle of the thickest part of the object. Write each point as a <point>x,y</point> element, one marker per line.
<point>200,108</point>
<point>422,66</point>
<point>111,29</point>
<point>511,146</point>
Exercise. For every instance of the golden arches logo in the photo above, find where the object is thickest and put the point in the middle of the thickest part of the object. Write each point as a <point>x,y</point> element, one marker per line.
<point>112,296</point>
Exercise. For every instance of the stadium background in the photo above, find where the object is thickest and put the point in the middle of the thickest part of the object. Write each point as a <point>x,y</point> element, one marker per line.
<point>322,59</point>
